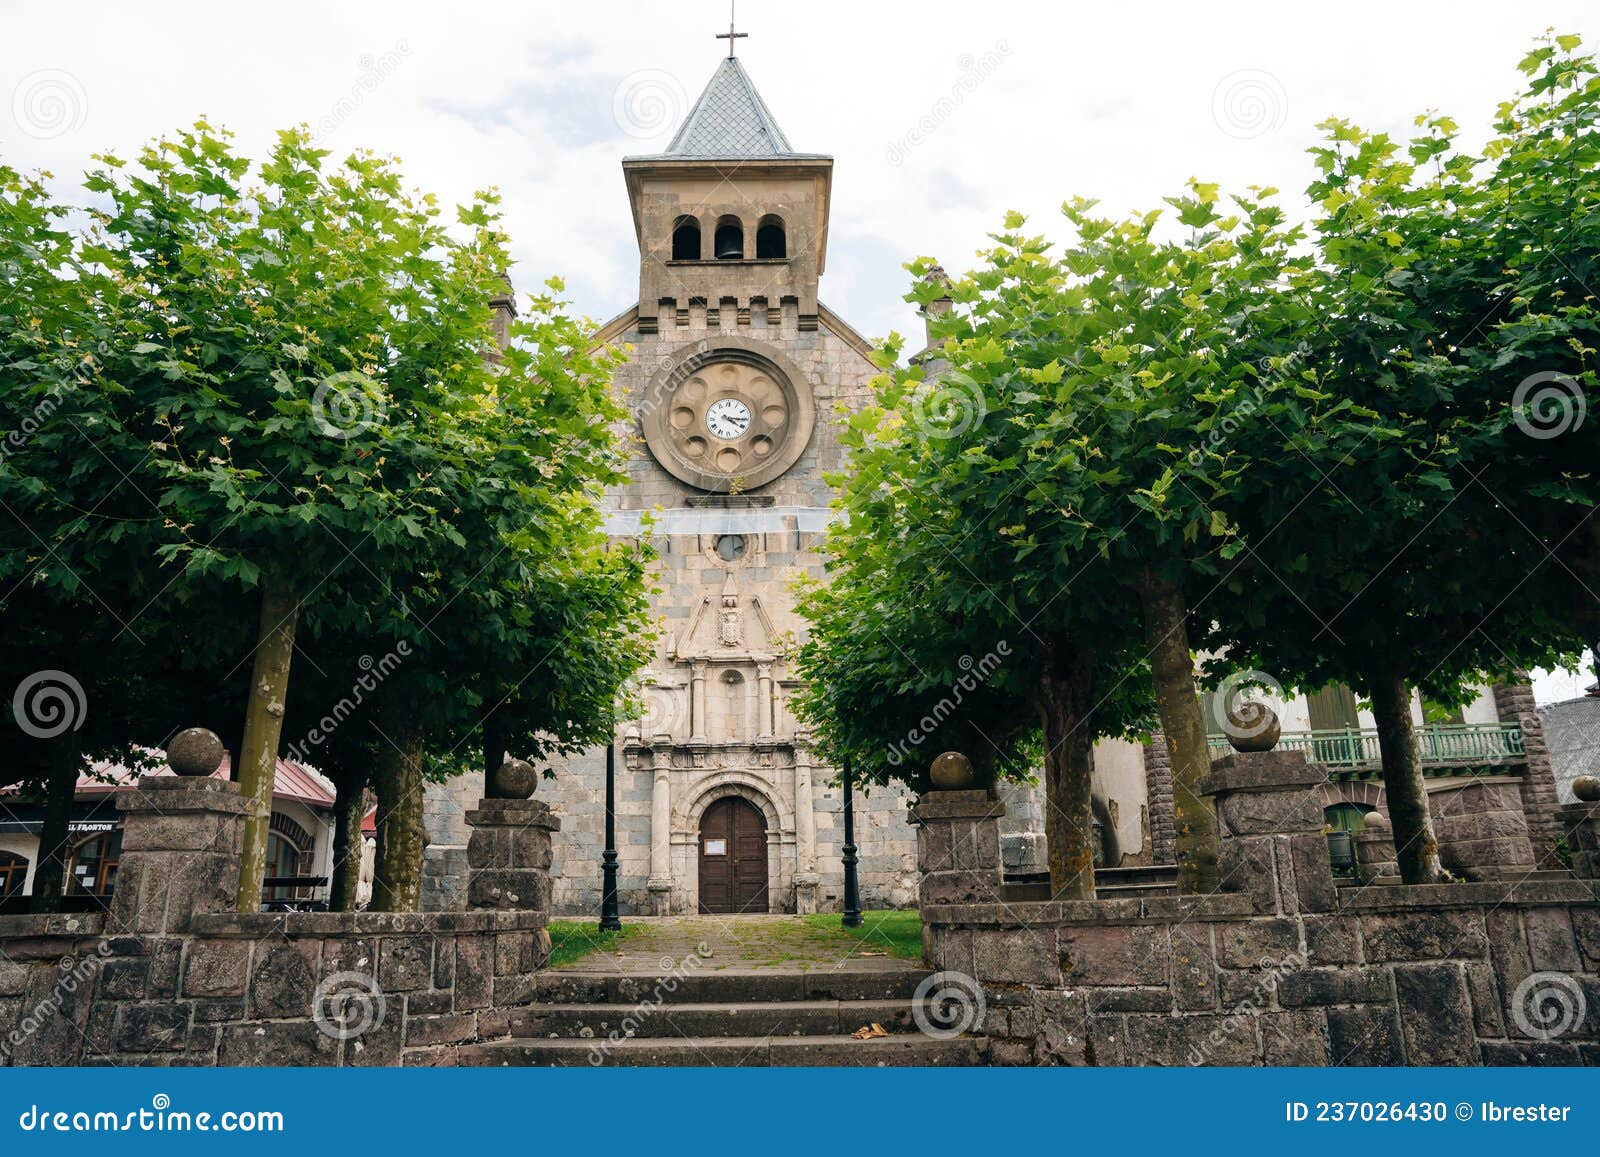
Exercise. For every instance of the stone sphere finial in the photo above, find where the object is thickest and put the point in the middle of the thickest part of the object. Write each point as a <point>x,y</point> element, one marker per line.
<point>1375,822</point>
<point>952,771</point>
<point>1587,788</point>
<point>513,779</point>
<point>195,751</point>
<point>1252,726</point>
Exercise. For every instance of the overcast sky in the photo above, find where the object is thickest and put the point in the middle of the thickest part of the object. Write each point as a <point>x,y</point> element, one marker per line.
<point>940,115</point>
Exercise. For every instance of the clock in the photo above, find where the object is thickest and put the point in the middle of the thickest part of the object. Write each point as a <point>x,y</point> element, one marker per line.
<point>727,418</point>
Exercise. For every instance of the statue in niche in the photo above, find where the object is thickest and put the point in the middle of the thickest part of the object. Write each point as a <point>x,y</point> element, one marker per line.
<point>730,625</point>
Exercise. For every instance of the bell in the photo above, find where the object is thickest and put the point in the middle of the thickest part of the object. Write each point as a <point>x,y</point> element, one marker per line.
<point>730,247</point>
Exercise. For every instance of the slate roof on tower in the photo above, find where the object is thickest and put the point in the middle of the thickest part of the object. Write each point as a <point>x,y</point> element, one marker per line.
<point>730,121</point>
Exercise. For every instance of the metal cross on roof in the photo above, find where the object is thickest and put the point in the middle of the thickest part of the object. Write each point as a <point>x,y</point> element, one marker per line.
<point>730,35</point>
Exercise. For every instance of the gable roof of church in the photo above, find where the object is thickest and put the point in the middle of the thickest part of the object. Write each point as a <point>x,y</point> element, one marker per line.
<point>730,121</point>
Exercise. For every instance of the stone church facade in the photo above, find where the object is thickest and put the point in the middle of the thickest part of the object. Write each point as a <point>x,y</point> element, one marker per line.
<point>735,385</point>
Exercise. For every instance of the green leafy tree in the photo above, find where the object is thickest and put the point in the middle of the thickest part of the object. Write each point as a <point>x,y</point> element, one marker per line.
<point>1080,388</point>
<point>296,391</point>
<point>1449,542</point>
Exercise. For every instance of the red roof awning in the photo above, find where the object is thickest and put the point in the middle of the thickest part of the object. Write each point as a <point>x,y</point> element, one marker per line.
<point>291,781</point>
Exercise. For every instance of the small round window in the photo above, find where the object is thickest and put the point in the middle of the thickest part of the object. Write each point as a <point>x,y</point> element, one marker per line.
<point>730,547</point>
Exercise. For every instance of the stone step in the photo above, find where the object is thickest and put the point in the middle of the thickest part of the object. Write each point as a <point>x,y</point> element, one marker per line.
<point>907,1049</point>
<point>748,1019</point>
<point>732,986</point>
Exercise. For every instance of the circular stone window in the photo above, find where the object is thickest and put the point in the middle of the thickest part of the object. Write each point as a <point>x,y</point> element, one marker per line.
<point>729,418</point>
<point>730,547</point>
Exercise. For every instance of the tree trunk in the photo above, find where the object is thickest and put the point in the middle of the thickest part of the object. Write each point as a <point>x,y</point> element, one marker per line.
<point>1068,768</point>
<point>1416,849</point>
<point>344,888</point>
<point>397,778</point>
<point>263,725</point>
<point>50,873</point>
<point>1172,669</point>
<point>496,744</point>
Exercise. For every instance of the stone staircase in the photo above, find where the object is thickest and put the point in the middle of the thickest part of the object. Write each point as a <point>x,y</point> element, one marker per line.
<point>753,1017</point>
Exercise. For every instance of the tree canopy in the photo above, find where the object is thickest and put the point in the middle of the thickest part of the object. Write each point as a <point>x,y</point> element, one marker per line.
<point>295,408</point>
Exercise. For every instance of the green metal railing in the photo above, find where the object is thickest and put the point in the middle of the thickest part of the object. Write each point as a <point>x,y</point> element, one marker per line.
<point>1443,745</point>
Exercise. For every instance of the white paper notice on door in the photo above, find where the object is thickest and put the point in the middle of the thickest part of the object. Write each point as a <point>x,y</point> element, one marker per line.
<point>716,847</point>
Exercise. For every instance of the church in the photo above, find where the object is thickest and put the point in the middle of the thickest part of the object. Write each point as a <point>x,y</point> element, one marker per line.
<point>736,385</point>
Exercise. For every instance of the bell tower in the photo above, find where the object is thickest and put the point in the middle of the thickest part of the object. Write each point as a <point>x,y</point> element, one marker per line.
<point>730,218</point>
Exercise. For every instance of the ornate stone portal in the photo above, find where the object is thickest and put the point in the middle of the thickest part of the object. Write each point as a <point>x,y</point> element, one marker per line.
<point>715,727</point>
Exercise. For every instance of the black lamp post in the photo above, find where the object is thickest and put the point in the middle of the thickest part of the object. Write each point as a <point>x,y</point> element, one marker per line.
<point>852,887</point>
<point>608,860</point>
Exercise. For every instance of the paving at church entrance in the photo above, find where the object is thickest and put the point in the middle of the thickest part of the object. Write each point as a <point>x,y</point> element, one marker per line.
<point>727,991</point>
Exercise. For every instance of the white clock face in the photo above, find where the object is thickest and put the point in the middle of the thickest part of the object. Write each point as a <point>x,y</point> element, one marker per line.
<point>728,418</point>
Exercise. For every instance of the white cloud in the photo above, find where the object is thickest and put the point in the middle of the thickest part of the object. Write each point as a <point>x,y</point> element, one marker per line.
<point>1110,101</point>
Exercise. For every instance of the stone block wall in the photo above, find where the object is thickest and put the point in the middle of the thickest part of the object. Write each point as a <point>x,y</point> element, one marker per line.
<point>1514,703</point>
<point>1580,826</point>
<point>1282,968</point>
<point>364,988</point>
<point>1480,825</point>
<point>171,975</point>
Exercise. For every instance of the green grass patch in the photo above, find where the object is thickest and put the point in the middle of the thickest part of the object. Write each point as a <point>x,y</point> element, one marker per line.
<point>897,932</point>
<point>572,940</point>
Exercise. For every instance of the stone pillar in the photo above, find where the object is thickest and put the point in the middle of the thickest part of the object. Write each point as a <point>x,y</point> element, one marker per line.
<point>660,881</point>
<point>1514,703</point>
<point>504,306</point>
<point>1269,830</point>
<point>1581,822</point>
<point>1163,819</point>
<point>697,703</point>
<point>958,847</point>
<point>1375,858</point>
<point>806,878</point>
<point>1480,825</point>
<point>508,855</point>
<point>181,840</point>
<point>764,700</point>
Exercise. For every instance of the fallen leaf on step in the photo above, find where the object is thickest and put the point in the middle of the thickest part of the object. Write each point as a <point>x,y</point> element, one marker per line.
<point>869,1032</point>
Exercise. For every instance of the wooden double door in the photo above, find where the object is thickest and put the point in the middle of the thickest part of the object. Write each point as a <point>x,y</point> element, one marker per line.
<point>733,857</point>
